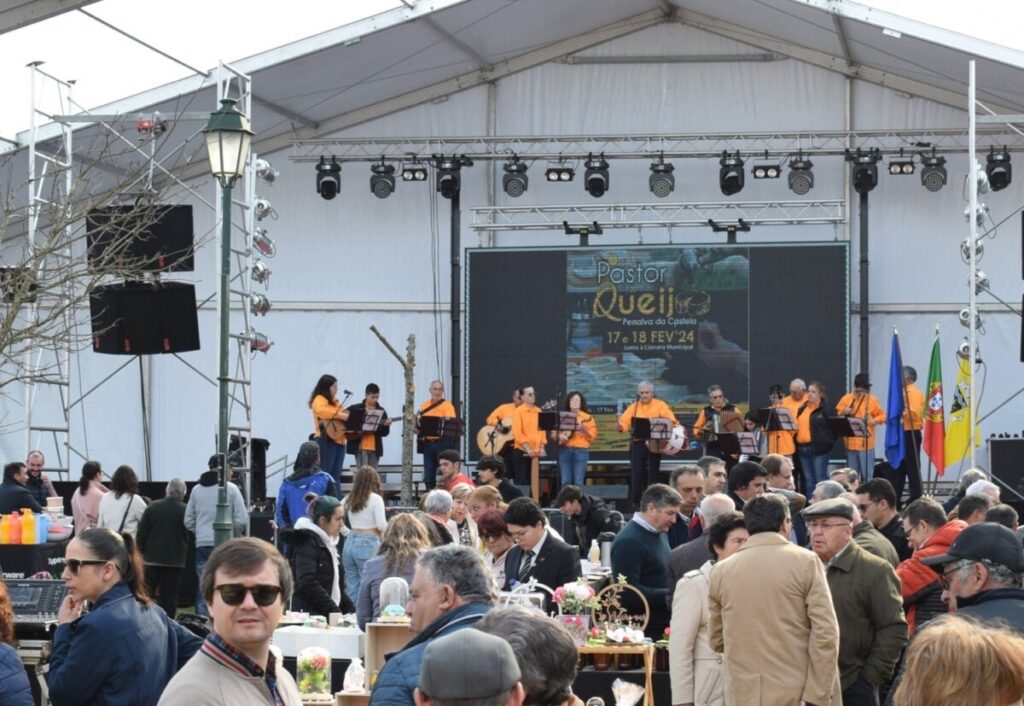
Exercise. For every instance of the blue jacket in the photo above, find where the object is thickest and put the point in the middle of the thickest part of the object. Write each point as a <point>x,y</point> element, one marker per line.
<point>291,503</point>
<point>401,673</point>
<point>14,687</point>
<point>119,653</point>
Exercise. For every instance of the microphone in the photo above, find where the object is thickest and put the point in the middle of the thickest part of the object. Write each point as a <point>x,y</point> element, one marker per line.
<point>348,392</point>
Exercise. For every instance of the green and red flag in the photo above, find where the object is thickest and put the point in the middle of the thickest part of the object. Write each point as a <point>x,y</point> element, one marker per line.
<point>935,413</point>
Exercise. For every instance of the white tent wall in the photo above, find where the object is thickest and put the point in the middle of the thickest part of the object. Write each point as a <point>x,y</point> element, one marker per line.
<point>354,261</point>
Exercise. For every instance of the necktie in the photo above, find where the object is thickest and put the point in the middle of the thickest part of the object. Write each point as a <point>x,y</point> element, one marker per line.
<point>524,570</point>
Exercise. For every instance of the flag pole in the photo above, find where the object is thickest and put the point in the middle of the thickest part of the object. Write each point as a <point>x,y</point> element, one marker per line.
<point>906,406</point>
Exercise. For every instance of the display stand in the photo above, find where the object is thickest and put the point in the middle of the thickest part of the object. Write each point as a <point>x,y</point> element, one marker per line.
<point>652,429</point>
<point>365,421</point>
<point>381,639</point>
<point>441,427</point>
<point>646,650</point>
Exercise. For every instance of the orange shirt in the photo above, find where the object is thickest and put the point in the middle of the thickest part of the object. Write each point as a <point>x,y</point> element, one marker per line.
<point>329,413</point>
<point>867,405</point>
<point>582,438</point>
<point>445,409</point>
<point>915,408</point>
<point>648,410</point>
<point>501,413</point>
<point>803,421</point>
<point>368,441</point>
<point>526,428</point>
<point>781,442</point>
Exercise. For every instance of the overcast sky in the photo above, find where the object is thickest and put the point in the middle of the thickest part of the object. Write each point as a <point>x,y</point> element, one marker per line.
<point>107,66</point>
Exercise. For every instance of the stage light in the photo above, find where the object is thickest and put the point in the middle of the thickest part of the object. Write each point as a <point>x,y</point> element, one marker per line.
<point>259,305</point>
<point>933,172</point>
<point>258,341</point>
<point>965,319</point>
<point>595,178</point>
<point>982,176</point>
<point>865,169</point>
<point>263,242</point>
<point>449,179</point>
<point>730,176</point>
<point>766,171</point>
<point>328,178</point>
<point>901,165</point>
<point>980,212</point>
<point>515,182</point>
<point>261,273</point>
<point>981,282</point>
<point>965,250</point>
<point>414,171</point>
<point>382,182</point>
<point>560,173</point>
<point>264,171</point>
<point>963,351</point>
<point>662,181</point>
<point>263,209</point>
<point>801,178</point>
<point>998,169</point>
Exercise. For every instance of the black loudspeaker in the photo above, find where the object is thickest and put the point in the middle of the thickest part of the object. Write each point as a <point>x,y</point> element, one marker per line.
<point>153,238</point>
<point>143,319</point>
<point>1006,459</point>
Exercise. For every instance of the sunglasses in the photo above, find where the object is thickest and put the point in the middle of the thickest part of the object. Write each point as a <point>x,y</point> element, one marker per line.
<point>75,564</point>
<point>234,593</point>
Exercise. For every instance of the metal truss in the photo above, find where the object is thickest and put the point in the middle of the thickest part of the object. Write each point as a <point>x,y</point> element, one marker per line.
<point>659,215</point>
<point>558,148</point>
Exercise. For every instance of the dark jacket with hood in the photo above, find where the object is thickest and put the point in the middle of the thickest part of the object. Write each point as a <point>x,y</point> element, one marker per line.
<point>352,445</point>
<point>995,606</point>
<point>594,518</point>
<point>314,569</point>
<point>307,478</point>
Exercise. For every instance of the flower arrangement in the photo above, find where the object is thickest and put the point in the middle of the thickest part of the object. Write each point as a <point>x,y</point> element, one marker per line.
<point>314,671</point>
<point>663,642</point>
<point>576,598</point>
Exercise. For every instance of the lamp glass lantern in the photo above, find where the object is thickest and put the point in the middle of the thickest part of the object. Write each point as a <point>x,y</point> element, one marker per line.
<point>227,142</point>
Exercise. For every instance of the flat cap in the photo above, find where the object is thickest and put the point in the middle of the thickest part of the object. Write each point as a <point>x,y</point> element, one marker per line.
<point>833,507</point>
<point>445,673</point>
<point>985,540</point>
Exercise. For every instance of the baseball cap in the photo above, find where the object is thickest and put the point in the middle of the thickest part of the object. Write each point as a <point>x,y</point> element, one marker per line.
<point>985,540</point>
<point>445,673</point>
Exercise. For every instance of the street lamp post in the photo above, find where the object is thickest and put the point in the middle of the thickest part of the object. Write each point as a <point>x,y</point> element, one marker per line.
<point>227,144</point>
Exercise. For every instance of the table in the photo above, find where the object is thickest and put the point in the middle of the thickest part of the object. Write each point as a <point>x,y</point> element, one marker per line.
<point>591,682</point>
<point>19,561</point>
<point>646,650</point>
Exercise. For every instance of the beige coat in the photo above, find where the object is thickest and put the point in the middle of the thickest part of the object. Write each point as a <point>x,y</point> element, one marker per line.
<point>698,675</point>
<point>204,682</point>
<point>770,612</point>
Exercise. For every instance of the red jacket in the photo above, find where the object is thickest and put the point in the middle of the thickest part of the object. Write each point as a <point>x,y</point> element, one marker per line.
<point>920,583</point>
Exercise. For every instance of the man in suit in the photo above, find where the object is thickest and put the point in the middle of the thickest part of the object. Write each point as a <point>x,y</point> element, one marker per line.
<point>538,554</point>
<point>640,553</point>
<point>692,555</point>
<point>801,623</point>
<point>689,483</point>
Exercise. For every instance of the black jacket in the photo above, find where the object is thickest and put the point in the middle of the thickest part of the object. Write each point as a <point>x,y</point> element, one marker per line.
<point>556,565</point>
<point>14,496</point>
<point>314,574</point>
<point>822,438</point>
<point>997,605</point>
<point>594,518</point>
<point>895,534</point>
<point>352,445</point>
<point>508,490</point>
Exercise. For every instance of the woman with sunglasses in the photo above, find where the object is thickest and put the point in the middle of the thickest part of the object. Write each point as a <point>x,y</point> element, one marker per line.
<point>125,649</point>
<point>319,582</point>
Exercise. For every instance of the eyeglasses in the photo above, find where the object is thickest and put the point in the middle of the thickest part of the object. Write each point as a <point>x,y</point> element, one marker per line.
<point>234,593</point>
<point>823,525</point>
<point>944,576</point>
<point>75,564</point>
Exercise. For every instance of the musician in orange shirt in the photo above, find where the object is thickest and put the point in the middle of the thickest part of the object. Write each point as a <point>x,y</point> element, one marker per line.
<point>860,451</point>
<point>436,406</point>
<point>529,439</point>
<point>644,464</point>
<point>369,447</point>
<point>574,447</point>
<point>505,413</point>
<point>719,415</point>
<point>910,468</point>
<point>328,426</point>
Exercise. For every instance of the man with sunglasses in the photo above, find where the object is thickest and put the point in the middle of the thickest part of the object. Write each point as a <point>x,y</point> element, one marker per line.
<point>247,584</point>
<point>981,575</point>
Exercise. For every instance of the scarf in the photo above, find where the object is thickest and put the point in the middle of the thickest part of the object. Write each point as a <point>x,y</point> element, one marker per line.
<point>304,523</point>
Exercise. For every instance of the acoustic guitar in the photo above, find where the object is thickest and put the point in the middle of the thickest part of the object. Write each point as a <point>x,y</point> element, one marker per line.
<point>494,439</point>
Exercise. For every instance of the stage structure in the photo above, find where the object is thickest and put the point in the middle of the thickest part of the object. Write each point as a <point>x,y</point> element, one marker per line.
<point>50,369</point>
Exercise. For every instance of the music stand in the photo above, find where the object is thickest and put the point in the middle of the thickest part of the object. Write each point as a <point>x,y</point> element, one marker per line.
<point>776,419</point>
<point>548,421</point>
<point>736,443</point>
<point>652,429</point>
<point>447,427</point>
<point>568,421</point>
<point>847,426</point>
<point>367,421</point>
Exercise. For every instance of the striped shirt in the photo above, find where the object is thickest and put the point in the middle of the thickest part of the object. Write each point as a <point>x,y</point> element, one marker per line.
<point>227,655</point>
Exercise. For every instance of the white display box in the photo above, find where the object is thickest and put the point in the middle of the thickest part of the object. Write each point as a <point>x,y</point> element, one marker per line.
<point>342,643</point>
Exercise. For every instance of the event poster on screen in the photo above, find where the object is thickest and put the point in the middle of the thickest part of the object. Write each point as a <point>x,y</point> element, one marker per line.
<point>676,316</point>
